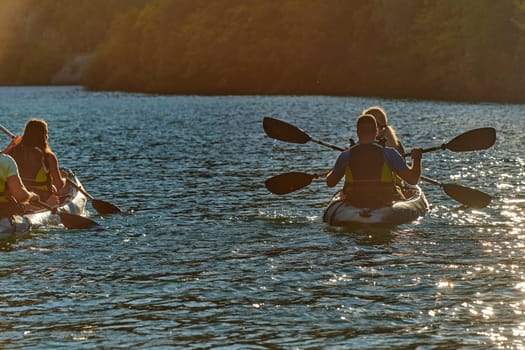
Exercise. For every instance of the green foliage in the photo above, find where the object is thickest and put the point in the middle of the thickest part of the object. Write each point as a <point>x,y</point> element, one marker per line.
<point>444,49</point>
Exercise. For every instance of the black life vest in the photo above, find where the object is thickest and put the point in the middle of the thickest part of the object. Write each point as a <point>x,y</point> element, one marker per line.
<point>369,182</point>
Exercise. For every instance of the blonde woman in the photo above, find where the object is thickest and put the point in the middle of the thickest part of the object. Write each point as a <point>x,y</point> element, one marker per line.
<point>387,133</point>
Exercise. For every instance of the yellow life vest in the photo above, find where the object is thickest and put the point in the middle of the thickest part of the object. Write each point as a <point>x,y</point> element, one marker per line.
<point>369,182</point>
<point>3,193</point>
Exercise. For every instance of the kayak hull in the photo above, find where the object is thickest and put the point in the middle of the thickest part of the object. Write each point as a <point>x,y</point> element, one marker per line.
<point>343,214</point>
<point>20,226</point>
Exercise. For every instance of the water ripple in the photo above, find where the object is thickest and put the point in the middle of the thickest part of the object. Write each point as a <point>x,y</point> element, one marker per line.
<point>208,258</point>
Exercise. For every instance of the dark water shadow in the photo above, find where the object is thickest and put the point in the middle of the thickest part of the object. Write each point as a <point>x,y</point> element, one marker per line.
<point>366,235</point>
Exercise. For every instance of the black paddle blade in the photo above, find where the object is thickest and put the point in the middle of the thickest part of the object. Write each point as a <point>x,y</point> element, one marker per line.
<point>288,182</point>
<point>467,196</point>
<point>473,140</point>
<point>104,208</point>
<point>77,222</point>
<point>279,130</point>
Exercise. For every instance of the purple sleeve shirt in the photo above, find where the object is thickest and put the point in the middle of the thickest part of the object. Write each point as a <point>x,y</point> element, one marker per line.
<point>392,158</point>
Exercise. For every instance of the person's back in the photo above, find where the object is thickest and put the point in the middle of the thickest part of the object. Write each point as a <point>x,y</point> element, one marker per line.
<point>32,167</point>
<point>38,166</point>
<point>368,179</point>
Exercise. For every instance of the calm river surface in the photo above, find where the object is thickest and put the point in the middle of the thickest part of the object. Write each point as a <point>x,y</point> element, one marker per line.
<point>209,259</point>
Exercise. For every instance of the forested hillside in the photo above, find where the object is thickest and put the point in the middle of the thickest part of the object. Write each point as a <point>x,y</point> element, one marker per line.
<point>472,50</point>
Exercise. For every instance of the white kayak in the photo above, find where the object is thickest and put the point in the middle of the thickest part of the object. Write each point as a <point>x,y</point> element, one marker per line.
<point>19,226</point>
<point>343,214</point>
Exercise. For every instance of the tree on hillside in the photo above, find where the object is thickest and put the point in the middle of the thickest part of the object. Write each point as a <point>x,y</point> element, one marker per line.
<point>46,34</point>
<point>447,49</point>
<point>470,48</point>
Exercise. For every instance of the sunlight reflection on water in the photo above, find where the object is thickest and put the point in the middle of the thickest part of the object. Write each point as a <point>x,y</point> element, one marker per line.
<point>217,261</point>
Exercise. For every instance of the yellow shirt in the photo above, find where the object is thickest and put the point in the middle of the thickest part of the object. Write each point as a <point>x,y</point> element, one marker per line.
<point>8,168</point>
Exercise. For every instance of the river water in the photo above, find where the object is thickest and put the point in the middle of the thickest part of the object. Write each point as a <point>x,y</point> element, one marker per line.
<point>208,258</point>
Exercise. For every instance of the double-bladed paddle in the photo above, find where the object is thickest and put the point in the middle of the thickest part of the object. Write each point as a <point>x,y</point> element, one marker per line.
<point>293,181</point>
<point>71,221</point>
<point>100,206</point>
<point>472,140</point>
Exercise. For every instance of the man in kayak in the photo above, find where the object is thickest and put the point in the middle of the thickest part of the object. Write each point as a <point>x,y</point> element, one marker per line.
<point>11,186</point>
<point>368,167</point>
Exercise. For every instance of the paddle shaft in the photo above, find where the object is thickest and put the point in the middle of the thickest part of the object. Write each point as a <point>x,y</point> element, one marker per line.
<point>429,180</point>
<point>7,132</point>
<point>431,149</point>
<point>326,144</point>
<point>337,148</point>
<point>71,221</point>
<point>47,206</point>
<point>84,192</point>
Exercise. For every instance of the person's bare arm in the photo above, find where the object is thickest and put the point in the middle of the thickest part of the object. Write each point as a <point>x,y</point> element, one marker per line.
<point>54,169</point>
<point>412,174</point>
<point>18,190</point>
<point>331,179</point>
